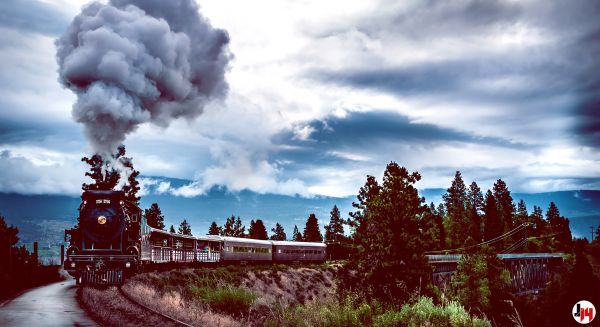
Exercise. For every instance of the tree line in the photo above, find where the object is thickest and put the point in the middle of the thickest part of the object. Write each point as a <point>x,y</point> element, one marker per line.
<point>257,230</point>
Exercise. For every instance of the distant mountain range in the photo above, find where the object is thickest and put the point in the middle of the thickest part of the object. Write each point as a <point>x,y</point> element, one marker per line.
<point>29,211</point>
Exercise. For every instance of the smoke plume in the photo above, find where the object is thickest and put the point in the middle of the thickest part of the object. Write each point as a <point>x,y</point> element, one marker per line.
<point>137,61</point>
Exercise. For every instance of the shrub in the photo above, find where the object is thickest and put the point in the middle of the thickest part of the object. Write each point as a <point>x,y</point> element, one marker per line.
<point>230,300</point>
<point>424,312</point>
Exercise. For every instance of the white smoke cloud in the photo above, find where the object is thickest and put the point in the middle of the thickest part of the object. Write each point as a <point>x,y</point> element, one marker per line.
<point>132,62</point>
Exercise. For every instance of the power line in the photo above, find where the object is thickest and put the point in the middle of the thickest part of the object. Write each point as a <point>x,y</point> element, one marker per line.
<point>490,241</point>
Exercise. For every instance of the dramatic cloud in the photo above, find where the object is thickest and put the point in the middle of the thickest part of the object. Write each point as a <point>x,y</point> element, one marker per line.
<point>131,62</point>
<point>320,94</point>
<point>31,15</point>
<point>35,171</point>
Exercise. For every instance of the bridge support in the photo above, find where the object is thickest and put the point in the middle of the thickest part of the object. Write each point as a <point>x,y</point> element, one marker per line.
<point>529,272</point>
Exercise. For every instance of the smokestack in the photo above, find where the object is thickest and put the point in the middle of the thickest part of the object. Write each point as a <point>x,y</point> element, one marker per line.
<point>135,61</point>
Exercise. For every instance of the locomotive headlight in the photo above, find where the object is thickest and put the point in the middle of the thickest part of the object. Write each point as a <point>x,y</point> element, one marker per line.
<point>101,220</point>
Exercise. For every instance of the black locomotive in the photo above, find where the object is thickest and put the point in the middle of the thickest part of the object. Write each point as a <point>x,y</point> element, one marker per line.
<point>113,241</point>
<point>105,245</point>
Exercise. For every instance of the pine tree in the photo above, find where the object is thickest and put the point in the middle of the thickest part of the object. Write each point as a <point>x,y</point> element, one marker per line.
<point>214,229</point>
<point>563,241</point>
<point>522,214</point>
<point>538,242</point>
<point>455,200</point>
<point>334,231</point>
<point>311,230</point>
<point>279,233</point>
<point>433,229</point>
<point>493,225</point>
<point>239,230</point>
<point>474,211</point>
<point>389,248</point>
<point>132,187</point>
<point>506,207</point>
<point>106,177</point>
<point>154,217</point>
<point>296,235</point>
<point>185,228</point>
<point>228,227</point>
<point>172,230</point>
<point>257,230</point>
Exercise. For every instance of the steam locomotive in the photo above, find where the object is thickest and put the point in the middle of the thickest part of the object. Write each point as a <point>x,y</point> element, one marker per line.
<point>113,241</point>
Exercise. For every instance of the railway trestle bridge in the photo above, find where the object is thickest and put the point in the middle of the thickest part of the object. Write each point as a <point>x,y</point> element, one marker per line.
<point>529,272</point>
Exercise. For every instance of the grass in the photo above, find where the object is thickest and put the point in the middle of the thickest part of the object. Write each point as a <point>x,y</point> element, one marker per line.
<point>174,305</point>
<point>230,300</point>
<point>353,312</point>
<point>280,295</point>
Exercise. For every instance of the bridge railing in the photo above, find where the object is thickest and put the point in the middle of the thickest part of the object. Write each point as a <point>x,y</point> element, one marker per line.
<point>433,258</point>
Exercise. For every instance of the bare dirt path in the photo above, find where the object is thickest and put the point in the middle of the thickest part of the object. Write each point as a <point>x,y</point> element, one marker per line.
<point>49,305</point>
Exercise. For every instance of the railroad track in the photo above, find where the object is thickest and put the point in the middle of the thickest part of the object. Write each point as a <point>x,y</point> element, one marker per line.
<point>179,322</point>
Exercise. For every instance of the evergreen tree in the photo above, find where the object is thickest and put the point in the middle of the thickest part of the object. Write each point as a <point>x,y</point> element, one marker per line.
<point>172,230</point>
<point>481,283</point>
<point>296,235</point>
<point>257,230</point>
<point>311,230</point>
<point>185,228</point>
<point>538,232</point>
<point>106,176</point>
<point>433,230</point>
<point>214,229</point>
<point>563,241</point>
<point>239,230</point>
<point>455,200</point>
<point>154,217</point>
<point>334,232</point>
<point>228,227</point>
<point>132,187</point>
<point>506,208</point>
<point>279,233</point>
<point>8,238</point>
<point>233,227</point>
<point>493,225</point>
<point>522,215</point>
<point>474,212</point>
<point>389,260</point>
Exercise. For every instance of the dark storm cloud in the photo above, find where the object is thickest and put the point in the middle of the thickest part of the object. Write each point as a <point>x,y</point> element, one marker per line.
<point>456,79</point>
<point>364,131</point>
<point>435,18</point>
<point>563,62</point>
<point>32,16</point>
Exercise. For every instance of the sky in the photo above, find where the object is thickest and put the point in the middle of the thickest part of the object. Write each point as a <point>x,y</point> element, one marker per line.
<point>323,93</point>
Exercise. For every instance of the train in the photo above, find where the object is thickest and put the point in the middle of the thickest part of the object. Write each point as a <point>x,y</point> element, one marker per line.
<point>112,241</point>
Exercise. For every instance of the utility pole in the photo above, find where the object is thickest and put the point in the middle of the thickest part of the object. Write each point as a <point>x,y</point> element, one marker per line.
<point>592,230</point>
